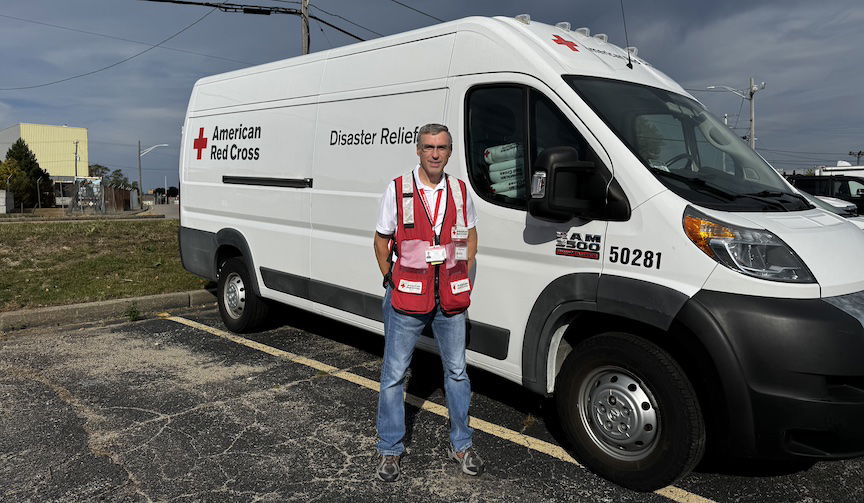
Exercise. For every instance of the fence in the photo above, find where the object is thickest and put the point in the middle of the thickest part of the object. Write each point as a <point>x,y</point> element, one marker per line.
<point>90,195</point>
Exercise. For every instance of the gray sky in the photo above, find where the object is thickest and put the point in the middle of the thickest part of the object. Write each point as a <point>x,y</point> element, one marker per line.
<point>808,53</point>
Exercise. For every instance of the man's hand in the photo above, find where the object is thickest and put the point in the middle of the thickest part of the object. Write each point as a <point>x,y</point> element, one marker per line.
<point>382,252</point>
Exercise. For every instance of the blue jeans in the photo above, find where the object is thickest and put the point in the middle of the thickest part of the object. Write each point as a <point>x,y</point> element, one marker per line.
<point>401,332</point>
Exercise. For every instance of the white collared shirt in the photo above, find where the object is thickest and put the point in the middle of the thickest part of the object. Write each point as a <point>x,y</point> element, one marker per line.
<point>387,207</point>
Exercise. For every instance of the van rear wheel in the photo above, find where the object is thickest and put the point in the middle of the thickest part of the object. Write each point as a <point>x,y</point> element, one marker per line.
<point>241,310</point>
<point>630,412</point>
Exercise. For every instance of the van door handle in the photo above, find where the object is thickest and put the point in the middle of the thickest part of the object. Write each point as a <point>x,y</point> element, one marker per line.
<point>294,183</point>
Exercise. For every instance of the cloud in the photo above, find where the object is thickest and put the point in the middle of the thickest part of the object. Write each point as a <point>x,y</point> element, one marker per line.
<point>806,52</point>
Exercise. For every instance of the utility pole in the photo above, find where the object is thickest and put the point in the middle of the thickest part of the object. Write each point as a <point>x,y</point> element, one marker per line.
<point>38,192</point>
<point>140,182</point>
<point>753,90</point>
<point>266,11</point>
<point>858,155</point>
<point>76,158</point>
<point>750,96</point>
<point>304,25</point>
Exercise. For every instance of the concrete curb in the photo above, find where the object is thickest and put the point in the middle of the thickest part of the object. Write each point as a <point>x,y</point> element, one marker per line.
<point>85,218</point>
<point>102,310</point>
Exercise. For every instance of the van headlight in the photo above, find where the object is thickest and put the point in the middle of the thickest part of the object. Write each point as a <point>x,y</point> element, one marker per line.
<point>754,252</point>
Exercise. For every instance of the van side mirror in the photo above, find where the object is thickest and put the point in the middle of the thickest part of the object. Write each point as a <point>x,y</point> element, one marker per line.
<point>563,187</point>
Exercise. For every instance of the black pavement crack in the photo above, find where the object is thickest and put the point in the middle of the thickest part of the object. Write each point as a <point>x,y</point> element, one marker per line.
<point>83,411</point>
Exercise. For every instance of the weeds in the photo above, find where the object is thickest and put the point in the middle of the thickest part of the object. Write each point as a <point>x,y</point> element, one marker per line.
<point>56,263</point>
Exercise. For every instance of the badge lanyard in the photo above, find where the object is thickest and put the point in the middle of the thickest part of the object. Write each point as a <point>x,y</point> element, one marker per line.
<point>434,219</point>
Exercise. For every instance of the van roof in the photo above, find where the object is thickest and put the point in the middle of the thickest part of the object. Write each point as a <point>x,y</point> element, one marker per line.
<point>533,47</point>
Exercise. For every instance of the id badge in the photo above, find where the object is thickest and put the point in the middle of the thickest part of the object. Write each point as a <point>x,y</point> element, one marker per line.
<point>457,287</point>
<point>461,253</point>
<point>436,255</point>
<point>415,287</point>
<point>459,233</point>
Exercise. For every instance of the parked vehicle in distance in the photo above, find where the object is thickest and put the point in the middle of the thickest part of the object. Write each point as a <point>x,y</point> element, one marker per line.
<point>837,206</point>
<point>832,204</point>
<point>636,260</point>
<point>844,208</point>
<point>845,187</point>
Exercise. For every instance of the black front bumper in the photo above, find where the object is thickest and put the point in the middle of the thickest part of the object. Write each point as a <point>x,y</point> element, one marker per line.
<point>791,371</point>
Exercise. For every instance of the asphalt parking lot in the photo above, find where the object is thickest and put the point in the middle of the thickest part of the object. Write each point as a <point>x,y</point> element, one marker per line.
<point>173,410</point>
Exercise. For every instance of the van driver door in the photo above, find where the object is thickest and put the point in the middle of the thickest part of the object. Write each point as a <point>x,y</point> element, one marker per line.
<point>507,120</point>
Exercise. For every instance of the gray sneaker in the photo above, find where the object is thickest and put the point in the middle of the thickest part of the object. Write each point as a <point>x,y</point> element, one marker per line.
<point>389,469</point>
<point>471,462</point>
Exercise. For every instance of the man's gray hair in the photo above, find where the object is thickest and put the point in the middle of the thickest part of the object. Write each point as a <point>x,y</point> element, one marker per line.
<point>433,129</point>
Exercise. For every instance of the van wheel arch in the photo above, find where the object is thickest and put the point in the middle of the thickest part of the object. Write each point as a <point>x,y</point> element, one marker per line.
<point>230,243</point>
<point>572,328</point>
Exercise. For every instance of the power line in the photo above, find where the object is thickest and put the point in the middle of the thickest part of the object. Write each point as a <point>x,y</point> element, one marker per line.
<point>334,15</point>
<point>796,157</point>
<point>122,39</point>
<point>329,44</point>
<point>800,152</point>
<point>738,115</point>
<point>111,65</point>
<point>417,10</point>
<point>346,20</point>
<point>706,90</point>
<point>797,163</point>
<point>257,9</point>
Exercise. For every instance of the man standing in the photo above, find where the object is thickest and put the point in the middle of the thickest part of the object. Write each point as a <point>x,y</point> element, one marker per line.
<point>430,218</point>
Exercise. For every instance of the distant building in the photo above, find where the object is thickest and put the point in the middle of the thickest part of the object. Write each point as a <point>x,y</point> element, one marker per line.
<point>7,202</point>
<point>55,150</point>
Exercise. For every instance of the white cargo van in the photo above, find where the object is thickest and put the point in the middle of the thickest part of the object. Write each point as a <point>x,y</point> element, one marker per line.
<point>636,260</point>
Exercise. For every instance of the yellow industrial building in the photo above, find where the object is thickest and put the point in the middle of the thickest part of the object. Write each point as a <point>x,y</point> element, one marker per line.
<point>62,151</point>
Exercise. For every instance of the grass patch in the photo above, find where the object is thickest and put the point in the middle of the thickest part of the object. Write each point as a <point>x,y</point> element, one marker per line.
<point>56,263</point>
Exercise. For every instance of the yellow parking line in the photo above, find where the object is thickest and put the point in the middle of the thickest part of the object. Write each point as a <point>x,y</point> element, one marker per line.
<point>673,493</point>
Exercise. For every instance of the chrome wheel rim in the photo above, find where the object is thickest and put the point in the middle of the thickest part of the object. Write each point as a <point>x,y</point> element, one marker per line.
<point>619,413</point>
<point>234,295</point>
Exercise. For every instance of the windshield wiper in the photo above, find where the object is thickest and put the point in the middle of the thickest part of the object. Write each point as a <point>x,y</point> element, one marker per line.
<point>702,185</point>
<point>780,194</point>
<point>763,198</point>
<point>696,183</point>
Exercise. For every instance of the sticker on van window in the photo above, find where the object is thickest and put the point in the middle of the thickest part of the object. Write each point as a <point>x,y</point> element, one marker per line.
<point>578,245</point>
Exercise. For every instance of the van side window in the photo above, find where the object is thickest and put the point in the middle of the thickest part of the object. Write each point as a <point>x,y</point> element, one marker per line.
<point>496,144</point>
<point>508,127</point>
<point>551,128</point>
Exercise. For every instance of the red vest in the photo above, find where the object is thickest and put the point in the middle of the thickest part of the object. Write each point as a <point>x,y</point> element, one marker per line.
<point>418,285</point>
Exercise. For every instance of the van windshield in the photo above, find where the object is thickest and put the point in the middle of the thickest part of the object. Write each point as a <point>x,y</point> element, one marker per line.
<point>686,148</point>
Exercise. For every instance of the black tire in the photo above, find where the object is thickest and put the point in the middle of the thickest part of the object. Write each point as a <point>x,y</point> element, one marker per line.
<point>241,310</point>
<point>652,432</point>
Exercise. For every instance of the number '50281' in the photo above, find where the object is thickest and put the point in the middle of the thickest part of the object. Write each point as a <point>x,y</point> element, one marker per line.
<point>634,257</point>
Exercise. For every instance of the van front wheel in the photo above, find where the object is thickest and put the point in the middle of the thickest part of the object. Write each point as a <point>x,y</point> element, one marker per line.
<point>241,310</point>
<point>630,412</point>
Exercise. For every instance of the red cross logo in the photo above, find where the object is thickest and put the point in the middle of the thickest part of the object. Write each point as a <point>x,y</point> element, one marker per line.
<point>563,41</point>
<point>200,142</point>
